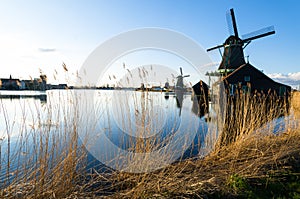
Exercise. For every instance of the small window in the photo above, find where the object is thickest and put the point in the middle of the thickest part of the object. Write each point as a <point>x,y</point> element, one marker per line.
<point>232,89</point>
<point>282,90</point>
<point>247,78</point>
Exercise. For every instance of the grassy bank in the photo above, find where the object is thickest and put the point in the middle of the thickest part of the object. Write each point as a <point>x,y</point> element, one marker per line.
<point>252,162</point>
<point>256,168</point>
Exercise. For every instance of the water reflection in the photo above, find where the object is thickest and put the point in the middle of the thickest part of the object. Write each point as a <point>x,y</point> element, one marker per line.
<point>146,122</point>
<point>167,95</point>
<point>41,95</point>
<point>125,118</point>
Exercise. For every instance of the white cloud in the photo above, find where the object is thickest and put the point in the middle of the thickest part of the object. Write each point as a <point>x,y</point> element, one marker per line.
<point>276,75</point>
<point>292,79</point>
<point>47,49</point>
<point>294,76</point>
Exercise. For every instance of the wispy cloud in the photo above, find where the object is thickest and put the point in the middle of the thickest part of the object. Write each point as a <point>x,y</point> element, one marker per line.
<point>292,79</point>
<point>45,50</point>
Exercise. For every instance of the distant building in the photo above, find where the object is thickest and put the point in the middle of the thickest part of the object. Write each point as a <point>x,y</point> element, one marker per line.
<point>156,88</point>
<point>39,84</point>
<point>10,83</point>
<point>27,85</point>
<point>167,85</point>
<point>201,93</point>
<point>43,82</point>
<point>59,86</point>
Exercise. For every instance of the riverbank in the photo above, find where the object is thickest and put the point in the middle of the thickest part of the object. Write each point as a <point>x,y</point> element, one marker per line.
<point>254,168</point>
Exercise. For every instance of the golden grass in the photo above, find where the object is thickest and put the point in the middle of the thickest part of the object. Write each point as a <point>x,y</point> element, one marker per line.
<point>253,158</point>
<point>296,103</point>
<point>47,160</point>
<point>252,152</point>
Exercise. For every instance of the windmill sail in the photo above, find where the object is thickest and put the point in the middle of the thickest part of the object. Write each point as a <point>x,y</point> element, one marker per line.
<point>229,23</point>
<point>258,34</point>
<point>234,23</point>
<point>216,47</point>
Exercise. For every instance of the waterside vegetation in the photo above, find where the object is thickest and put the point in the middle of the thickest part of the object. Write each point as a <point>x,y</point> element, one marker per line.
<point>251,162</point>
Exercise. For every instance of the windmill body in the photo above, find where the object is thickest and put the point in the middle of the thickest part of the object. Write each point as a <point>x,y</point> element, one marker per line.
<point>233,55</point>
<point>179,83</point>
<point>180,89</point>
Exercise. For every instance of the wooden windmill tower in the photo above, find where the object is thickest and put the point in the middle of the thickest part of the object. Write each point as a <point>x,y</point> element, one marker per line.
<point>233,54</point>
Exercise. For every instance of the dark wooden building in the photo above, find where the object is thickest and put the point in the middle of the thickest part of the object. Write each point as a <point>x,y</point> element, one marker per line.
<point>249,79</point>
<point>201,94</point>
<point>9,84</point>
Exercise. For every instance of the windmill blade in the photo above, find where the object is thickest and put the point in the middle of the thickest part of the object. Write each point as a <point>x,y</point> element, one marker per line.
<point>234,23</point>
<point>258,34</point>
<point>229,23</point>
<point>186,76</point>
<point>216,47</point>
<point>181,71</point>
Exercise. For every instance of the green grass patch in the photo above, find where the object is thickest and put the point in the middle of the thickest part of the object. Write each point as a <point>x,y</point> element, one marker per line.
<point>280,185</point>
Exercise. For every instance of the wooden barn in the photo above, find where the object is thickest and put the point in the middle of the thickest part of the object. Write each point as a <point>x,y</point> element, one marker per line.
<point>247,78</point>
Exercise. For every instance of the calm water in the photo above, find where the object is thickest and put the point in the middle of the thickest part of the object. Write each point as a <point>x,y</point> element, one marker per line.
<point>30,120</point>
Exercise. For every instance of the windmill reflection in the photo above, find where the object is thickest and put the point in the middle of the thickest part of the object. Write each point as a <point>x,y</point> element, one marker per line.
<point>179,100</point>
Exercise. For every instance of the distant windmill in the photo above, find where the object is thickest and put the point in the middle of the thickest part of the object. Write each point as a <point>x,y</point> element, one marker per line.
<point>233,55</point>
<point>179,84</point>
<point>179,90</point>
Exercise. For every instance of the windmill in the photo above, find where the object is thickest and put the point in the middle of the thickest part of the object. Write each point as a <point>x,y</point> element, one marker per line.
<point>233,54</point>
<point>179,84</point>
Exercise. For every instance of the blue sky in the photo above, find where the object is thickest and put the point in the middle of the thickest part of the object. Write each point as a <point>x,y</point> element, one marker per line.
<point>42,34</point>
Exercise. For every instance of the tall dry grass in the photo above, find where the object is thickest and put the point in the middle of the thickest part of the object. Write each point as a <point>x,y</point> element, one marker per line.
<point>44,159</point>
<point>251,150</point>
<point>296,103</point>
<point>244,113</point>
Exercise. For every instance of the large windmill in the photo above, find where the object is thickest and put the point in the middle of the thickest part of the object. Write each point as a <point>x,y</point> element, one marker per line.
<point>239,76</point>
<point>233,55</point>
